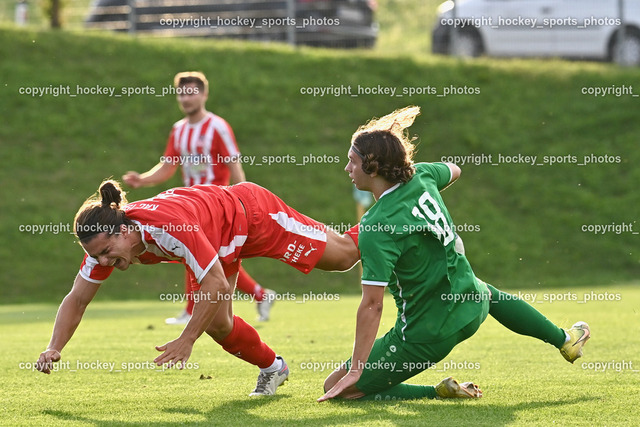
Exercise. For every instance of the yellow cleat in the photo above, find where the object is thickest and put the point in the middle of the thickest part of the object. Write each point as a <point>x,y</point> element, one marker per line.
<point>579,334</point>
<point>449,388</point>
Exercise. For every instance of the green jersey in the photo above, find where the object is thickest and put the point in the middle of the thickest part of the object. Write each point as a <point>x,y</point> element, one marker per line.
<point>407,242</point>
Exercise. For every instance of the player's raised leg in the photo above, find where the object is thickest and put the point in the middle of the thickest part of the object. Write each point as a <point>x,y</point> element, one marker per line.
<point>520,317</point>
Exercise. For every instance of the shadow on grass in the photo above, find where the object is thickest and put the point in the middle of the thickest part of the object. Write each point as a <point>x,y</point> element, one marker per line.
<point>240,412</point>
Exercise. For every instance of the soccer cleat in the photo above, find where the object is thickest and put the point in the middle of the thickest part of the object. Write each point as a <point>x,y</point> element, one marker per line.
<point>449,388</point>
<point>183,319</point>
<point>269,381</point>
<point>264,306</point>
<point>579,334</point>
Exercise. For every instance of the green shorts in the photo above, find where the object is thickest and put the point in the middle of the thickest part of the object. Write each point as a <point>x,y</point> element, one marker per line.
<point>393,361</point>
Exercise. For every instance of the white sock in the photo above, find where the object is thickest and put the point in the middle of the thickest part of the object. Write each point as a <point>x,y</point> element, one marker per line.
<point>276,365</point>
<point>568,337</point>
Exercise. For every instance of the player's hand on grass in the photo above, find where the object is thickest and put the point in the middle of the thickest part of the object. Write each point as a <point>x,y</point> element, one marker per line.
<point>175,353</point>
<point>46,360</point>
<point>349,380</point>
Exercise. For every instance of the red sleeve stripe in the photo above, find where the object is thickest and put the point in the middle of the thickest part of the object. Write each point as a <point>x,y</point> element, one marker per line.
<point>92,272</point>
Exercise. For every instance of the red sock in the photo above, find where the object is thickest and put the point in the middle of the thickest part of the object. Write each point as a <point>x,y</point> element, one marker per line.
<point>353,233</point>
<point>189,283</point>
<point>248,285</point>
<point>244,342</point>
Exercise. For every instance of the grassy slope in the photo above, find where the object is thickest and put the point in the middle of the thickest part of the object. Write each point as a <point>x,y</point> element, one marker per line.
<point>56,150</point>
<point>536,387</point>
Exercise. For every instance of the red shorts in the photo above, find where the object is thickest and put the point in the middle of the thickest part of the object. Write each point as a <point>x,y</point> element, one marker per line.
<point>279,231</point>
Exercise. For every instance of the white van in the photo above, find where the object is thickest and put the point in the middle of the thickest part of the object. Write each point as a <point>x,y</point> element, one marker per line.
<point>584,29</point>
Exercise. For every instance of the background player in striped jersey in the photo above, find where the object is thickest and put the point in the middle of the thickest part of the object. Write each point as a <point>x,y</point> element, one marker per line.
<point>204,144</point>
<point>210,229</point>
<point>408,243</point>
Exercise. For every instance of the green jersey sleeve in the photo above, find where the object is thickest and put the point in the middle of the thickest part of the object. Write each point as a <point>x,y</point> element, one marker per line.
<point>440,173</point>
<point>379,254</point>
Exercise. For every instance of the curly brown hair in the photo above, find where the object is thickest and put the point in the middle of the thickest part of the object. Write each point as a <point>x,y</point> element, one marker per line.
<point>385,147</point>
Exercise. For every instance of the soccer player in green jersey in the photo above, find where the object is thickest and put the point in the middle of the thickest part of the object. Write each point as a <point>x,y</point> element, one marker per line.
<point>408,244</point>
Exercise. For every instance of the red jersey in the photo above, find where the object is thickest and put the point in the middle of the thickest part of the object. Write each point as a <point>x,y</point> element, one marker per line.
<point>202,224</point>
<point>197,226</point>
<point>203,149</point>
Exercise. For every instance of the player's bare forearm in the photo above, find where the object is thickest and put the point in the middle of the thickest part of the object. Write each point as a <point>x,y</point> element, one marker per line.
<point>214,288</point>
<point>157,175</point>
<point>71,311</point>
<point>368,321</point>
<point>236,172</point>
<point>67,320</point>
<point>455,174</point>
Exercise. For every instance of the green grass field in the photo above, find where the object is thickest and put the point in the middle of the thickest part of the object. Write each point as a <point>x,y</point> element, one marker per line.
<point>525,381</point>
<point>529,236</point>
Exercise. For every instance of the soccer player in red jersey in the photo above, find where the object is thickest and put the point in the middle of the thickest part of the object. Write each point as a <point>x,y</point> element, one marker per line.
<point>209,229</point>
<point>204,144</point>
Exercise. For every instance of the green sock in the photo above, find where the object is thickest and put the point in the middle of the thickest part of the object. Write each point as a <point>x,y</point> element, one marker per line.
<point>403,392</point>
<point>522,318</point>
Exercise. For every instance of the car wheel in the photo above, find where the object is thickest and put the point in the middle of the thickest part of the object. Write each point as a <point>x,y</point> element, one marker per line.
<point>627,50</point>
<point>466,44</point>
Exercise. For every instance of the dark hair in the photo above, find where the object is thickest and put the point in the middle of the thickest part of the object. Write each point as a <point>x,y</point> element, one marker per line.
<point>101,212</point>
<point>385,147</point>
<point>383,153</point>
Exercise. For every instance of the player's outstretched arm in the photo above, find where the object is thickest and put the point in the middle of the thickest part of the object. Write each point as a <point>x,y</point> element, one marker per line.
<point>67,320</point>
<point>455,174</point>
<point>156,175</point>
<point>368,321</point>
<point>236,172</point>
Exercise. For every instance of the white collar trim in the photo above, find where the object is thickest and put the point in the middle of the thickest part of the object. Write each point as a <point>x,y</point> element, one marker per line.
<point>389,190</point>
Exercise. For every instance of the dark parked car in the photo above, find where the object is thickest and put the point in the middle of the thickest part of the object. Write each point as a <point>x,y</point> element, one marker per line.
<point>334,23</point>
